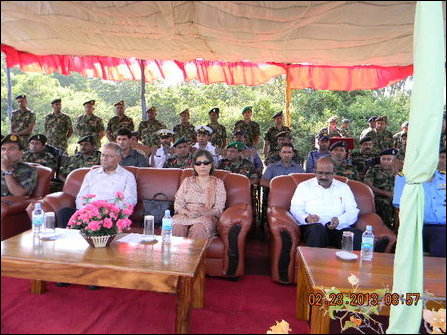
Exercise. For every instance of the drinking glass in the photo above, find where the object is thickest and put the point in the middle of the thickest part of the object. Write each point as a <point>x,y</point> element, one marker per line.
<point>148,231</point>
<point>347,241</point>
<point>49,225</point>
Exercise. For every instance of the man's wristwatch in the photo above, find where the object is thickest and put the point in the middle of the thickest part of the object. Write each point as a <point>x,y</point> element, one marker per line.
<point>7,173</point>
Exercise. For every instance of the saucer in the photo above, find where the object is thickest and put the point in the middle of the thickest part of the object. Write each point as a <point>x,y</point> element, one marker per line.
<point>347,256</point>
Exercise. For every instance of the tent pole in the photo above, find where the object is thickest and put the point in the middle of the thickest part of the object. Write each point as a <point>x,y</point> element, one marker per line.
<point>143,91</point>
<point>8,84</point>
<point>288,97</point>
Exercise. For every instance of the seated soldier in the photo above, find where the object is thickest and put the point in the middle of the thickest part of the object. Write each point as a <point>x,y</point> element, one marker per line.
<point>285,166</point>
<point>282,137</point>
<point>163,152</point>
<point>249,153</point>
<point>87,156</point>
<point>380,178</point>
<point>434,231</point>
<point>37,152</point>
<point>341,165</point>
<point>323,144</point>
<point>130,157</point>
<point>182,158</point>
<point>362,159</point>
<point>325,207</point>
<point>235,163</point>
<point>18,178</point>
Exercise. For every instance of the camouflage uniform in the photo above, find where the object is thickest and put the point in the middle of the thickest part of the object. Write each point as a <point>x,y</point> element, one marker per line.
<point>347,170</point>
<point>397,143</point>
<point>401,154</point>
<point>382,140</point>
<point>56,129</point>
<point>90,125</point>
<point>174,162</point>
<point>25,175</point>
<point>270,136</point>
<point>20,120</point>
<point>43,158</point>
<point>360,161</point>
<point>242,166</point>
<point>345,132</point>
<point>333,133</point>
<point>115,124</point>
<point>79,160</point>
<point>365,131</point>
<point>251,130</point>
<point>187,132</point>
<point>148,132</point>
<point>384,181</point>
<point>219,135</point>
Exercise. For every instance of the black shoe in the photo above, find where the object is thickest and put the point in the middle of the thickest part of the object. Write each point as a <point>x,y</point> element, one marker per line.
<point>59,284</point>
<point>93,287</point>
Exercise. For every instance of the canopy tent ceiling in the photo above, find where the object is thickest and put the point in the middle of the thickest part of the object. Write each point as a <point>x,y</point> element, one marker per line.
<point>338,34</point>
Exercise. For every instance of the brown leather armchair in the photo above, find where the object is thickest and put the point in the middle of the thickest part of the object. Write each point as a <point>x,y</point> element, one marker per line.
<point>285,232</point>
<point>226,252</point>
<point>14,219</point>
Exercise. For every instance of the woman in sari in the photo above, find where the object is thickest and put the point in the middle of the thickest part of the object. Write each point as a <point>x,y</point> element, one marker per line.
<point>200,200</point>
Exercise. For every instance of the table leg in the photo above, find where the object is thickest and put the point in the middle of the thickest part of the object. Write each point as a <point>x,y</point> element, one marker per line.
<point>37,286</point>
<point>319,320</point>
<point>184,293</point>
<point>302,294</point>
<point>198,289</point>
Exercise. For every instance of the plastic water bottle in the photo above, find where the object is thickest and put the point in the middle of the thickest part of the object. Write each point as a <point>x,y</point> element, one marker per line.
<point>38,219</point>
<point>166,227</point>
<point>367,244</point>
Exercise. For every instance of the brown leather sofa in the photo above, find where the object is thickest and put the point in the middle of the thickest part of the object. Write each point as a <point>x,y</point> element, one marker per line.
<point>285,233</point>
<point>14,219</point>
<point>225,253</point>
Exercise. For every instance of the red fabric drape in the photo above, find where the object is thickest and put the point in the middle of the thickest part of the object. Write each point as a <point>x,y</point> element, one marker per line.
<point>344,78</point>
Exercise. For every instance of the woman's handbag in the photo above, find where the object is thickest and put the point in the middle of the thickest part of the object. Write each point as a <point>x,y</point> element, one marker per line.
<point>157,207</point>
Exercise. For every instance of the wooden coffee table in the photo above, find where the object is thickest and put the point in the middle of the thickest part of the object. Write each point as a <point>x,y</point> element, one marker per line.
<point>320,268</point>
<point>178,269</point>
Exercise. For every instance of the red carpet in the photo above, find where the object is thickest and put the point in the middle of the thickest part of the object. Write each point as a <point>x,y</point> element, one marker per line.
<point>250,305</point>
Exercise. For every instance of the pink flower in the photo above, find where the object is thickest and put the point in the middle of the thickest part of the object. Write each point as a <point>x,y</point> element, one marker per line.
<point>119,195</point>
<point>123,224</point>
<point>94,225</point>
<point>108,223</point>
<point>127,211</point>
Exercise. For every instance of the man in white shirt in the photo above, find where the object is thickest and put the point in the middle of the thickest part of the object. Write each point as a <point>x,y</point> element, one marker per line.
<point>165,150</point>
<point>325,207</point>
<point>203,134</point>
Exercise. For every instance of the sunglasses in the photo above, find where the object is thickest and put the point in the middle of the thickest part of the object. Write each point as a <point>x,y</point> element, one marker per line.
<point>200,163</point>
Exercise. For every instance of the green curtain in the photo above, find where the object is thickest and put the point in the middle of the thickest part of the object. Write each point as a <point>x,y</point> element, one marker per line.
<point>421,159</point>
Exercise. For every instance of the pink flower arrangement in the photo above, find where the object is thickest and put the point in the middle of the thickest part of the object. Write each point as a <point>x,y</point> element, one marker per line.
<point>100,217</point>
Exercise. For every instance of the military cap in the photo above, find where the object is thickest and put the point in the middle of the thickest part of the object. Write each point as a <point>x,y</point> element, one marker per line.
<point>153,108</point>
<point>338,144</point>
<point>277,115</point>
<point>236,145</point>
<point>246,109</point>
<point>372,118</point>
<point>56,101</point>
<point>405,124</point>
<point>121,102</point>
<point>91,102</point>
<point>389,152</point>
<point>323,137</point>
<point>214,110</point>
<point>382,118</point>
<point>239,132</point>
<point>346,121</point>
<point>365,139</point>
<point>180,141</point>
<point>184,112</point>
<point>203,129</point>
<point>13,138</point>
<point>87,138</point>
<point>404,135</point>
<point>38,137</point>
<point>332,119</point>
<point>21,96</point>
<point>163,133</point>
<point>283,134</point>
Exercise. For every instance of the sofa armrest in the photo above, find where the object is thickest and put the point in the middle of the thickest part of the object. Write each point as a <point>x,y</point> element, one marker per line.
<point>14,204</point>
<point>380,230</point>
<point>53,202</point>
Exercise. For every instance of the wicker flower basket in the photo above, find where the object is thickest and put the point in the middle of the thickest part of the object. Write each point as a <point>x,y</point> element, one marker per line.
<point>98,241</point>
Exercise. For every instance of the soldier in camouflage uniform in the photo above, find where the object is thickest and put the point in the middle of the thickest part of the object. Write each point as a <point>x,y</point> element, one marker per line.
<point>86,157</point>
<point>362,158</point>
<point>23,120</point>
<point>148,129</point>
<point>382,138</point>
<point>182,158</point>
<point>345,131</point>
<point>236,164</point>
<point>219,135</point>
<point>89,124</point>
<point>332,130</point>
<point>270,142</point>
<point>37,153</point>
<point>58,126</point>
<point>281,138</point>
<point>250,128</point>
<point>341,166</point>
<point>380,179</point>
<point>119,121</point>
<point>185,129</point>
<point>372,125</point>
<point>18,178</point>
<point>397,137</point>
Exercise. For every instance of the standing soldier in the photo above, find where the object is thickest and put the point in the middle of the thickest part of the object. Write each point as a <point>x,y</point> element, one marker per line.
<point>182,158</point>
<point>363,159</point>
<point>380,179</point>
<point>148,129</point>
<point>219,136</point>
<point>382,138</point>
<point>58,126</point>
<point>372,125</point>
<point>249,127</point>
<point>120,120</point>
<point>23,119</point>
<point>185,129</point>
<point>397,137</point>
<point>332,130</point>
<point>37,153</point>
<point>89,124</point>
<point>236,164</point>
<point>270,143</point>
<point>345,131</point>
